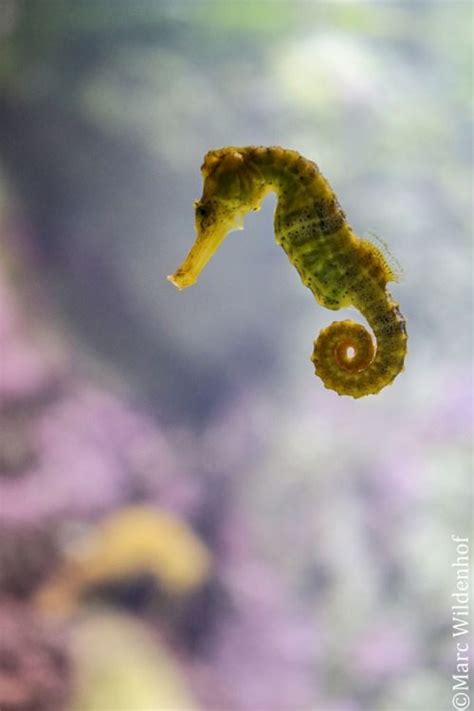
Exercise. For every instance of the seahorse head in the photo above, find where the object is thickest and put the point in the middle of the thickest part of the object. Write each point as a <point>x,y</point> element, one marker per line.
<point>231,178</point>
<point>231,189</point>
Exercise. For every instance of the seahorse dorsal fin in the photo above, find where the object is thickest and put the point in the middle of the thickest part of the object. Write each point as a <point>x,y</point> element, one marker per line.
<point>392,265</point>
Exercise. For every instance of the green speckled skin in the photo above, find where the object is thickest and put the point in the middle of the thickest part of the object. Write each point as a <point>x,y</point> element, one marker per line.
<point>340,269</point>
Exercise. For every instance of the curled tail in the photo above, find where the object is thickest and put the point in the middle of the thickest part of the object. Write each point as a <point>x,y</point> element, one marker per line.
<point>346,358</point>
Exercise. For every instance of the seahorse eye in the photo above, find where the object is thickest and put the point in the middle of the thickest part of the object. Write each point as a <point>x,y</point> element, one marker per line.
<point>201,210</point>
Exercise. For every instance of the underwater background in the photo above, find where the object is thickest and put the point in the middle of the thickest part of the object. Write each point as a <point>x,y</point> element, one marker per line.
<point>188,519</point>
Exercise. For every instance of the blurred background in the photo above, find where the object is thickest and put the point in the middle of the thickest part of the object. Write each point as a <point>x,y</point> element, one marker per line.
<point>188,519</point>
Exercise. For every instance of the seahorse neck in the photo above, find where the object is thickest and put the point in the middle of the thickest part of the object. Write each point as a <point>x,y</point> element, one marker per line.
<point>283,172</point>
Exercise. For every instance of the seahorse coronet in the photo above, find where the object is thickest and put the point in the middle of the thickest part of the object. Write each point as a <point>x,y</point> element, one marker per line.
<point>337,266</point>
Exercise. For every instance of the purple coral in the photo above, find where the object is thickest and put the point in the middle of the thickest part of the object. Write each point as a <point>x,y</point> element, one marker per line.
<point>35,672</point>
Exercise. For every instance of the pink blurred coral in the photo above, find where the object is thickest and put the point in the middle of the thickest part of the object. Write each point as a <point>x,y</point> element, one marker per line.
<point>35,671</point>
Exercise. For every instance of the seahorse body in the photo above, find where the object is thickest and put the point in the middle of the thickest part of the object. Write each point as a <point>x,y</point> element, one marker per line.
<point>340,269</point>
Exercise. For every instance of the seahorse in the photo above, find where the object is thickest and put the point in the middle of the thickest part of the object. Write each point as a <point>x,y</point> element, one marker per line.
<point>340,268</point>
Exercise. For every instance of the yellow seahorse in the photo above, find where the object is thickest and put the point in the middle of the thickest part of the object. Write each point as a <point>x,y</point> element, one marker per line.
<point>340,269</point>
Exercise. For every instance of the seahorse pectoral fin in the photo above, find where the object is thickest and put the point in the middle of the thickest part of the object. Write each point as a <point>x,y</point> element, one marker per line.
<point>392,269</point>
